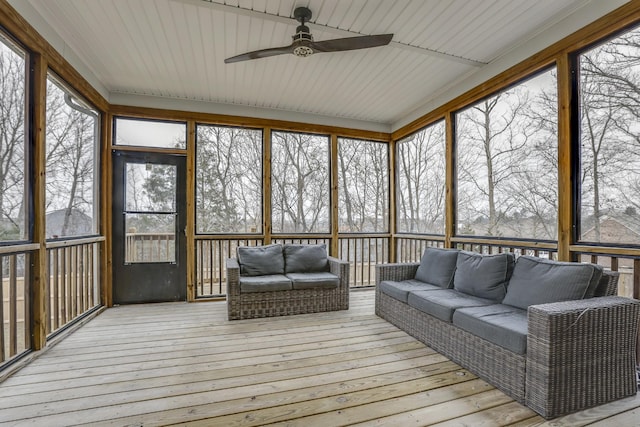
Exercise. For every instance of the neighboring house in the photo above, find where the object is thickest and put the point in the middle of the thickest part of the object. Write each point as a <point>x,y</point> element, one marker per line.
<point>79,223</point>
<point>615,227</point>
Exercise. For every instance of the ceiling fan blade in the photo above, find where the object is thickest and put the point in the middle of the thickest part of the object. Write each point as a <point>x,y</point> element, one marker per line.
<point>351,43</point>
<point>263,53</point>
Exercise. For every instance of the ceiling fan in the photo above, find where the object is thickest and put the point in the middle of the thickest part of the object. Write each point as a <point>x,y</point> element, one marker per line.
<point>303,44</point>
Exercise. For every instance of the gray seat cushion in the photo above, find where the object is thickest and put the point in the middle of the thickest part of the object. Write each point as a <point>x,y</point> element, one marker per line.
<point>305,258</point>
<point>437,267</point>
<point>324,280</point>
<point>400,290</point>
<point>539,281</point>
<point>444,302</point>
<point>260,260</point>
<point>483,276</point>
<point>500,324</point>
<point>273,282</point>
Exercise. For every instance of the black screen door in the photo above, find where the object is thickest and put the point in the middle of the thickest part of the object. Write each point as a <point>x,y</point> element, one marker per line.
<point>149,247</point>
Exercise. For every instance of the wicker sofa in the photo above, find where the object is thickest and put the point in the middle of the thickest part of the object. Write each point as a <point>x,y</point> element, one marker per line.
<point>280,280</point>
<point>551,335</point>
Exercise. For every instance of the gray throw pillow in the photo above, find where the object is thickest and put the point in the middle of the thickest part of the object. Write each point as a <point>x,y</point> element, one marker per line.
<point>260,260</point>
<point>437,267</point>
<point>539,281</point>
<point>483,276</point>
<point>305,258</point>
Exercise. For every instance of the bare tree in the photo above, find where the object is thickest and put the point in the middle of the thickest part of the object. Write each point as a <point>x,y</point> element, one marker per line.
<point>609,101</point>
<point>300,182</point>
<point>490,135</point>
<point>534,185</point>
<point>363,185</point>
<point>507,162</point>
<point>71,137</point>
<point>228,179</point>
<point>421,181</point>
<point>12,143</point>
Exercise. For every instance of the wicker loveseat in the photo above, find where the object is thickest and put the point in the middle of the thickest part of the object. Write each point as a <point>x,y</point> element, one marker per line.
<point>549,334</point>
<point>277,280</point>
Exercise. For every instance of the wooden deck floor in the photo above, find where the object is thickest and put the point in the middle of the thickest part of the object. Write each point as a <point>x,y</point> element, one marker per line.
<point>181,363</point>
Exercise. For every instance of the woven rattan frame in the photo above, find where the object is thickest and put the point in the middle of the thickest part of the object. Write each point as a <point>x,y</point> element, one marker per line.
<point>250,305</point>
<point>580,354</point>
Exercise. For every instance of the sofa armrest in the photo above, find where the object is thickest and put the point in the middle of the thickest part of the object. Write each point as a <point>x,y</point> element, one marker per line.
<point>341,269</point>
<point>233,277</point>
<point>396,272</point>
<point>580,353</point>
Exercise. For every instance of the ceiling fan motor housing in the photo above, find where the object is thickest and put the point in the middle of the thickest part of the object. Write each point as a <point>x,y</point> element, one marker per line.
<point>301,40</point>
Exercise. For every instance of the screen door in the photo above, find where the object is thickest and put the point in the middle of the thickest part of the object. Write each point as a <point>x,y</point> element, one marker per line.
<point>149,247</point>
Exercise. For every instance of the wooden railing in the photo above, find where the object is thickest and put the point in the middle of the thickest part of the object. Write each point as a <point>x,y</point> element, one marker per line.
<point>362,251</point>
<point>625,261</point>
<point>409,247</point>
<point>365,251</point>
<point>548,250</point>
<point>14,294</point>
<point>72,286</point>
<point>210,257</point>
<point>149,247</point>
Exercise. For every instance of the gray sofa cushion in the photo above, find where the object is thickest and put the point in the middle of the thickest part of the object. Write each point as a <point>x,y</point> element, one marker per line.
<point>400,290</point>
<point>324,280</point>
<point>273,282</point>
<point>437,267</point>
<point>539,281</point>
<point>305,258</point>
<point>500,324</point>
<point>444,302</point>
<point>260,260</point>
<point>483,276</point>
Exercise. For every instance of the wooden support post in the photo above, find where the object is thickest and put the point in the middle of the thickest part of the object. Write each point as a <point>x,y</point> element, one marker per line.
<point>392,201</point>
<point>333,167</point>
<point>565,188</point>
<point>450,200</point>
<point>266,185</point>
<point>39,257</point>
<point>190,230</point>
<point>106,222</point>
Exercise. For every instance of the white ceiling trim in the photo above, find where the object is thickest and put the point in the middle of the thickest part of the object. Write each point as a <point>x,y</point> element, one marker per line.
<point>243,111</point>
<point>337,31</point>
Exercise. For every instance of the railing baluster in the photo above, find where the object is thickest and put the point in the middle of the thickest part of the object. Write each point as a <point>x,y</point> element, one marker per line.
<point>47,294</point>
<point>74,281</point>
<point>91,283</point>
<point>80,275</point>
<point>56,288</point>
<point>63,285</point>
<point>614,264</point>
<point>13,306</point>
<point>361,261</point>
<point>2,324</point>
<point>636,279</point>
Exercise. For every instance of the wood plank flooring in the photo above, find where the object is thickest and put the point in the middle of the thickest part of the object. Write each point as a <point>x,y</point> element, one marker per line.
<point>179,363</point>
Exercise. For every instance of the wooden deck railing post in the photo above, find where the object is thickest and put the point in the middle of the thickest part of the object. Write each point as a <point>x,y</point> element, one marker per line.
<point>266,185</point>
<point>449,203</point>
<point>39,260</point>
<point>190,230</point>
<point>392,201</point>
<point>565,187</point>
<point>333,199</point>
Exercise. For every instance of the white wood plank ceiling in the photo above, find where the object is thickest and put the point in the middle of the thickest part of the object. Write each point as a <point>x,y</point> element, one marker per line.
<point>176,49</point>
